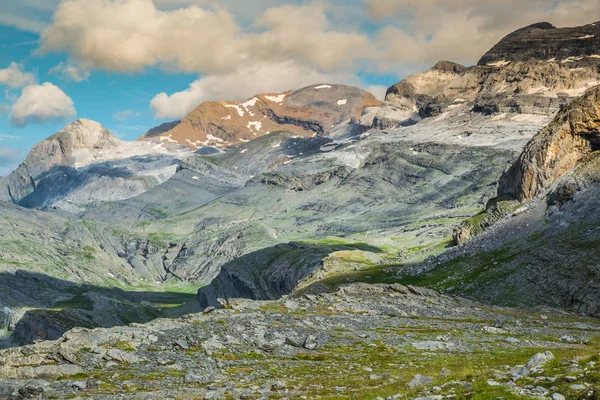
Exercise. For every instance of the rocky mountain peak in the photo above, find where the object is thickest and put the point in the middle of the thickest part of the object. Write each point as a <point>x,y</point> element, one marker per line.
<point>449,66</point>
<point>314,110</point>
<point>543,41</point>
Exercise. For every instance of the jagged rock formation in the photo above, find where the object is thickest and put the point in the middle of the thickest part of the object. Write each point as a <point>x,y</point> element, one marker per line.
<point>323,110</point>
<point>83,163</point>
<point>536,70</point>
<point>570,138</point>
<point>543,41</point>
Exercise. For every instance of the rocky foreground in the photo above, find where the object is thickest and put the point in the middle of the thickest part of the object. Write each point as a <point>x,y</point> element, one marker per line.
<point>363,341</point>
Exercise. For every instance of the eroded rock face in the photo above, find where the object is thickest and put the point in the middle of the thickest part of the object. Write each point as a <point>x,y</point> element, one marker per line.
<point>536,70</point>
<point>543,41</point>
<point>332,110</point>
<point>558,148</point>
<point>84,162</point>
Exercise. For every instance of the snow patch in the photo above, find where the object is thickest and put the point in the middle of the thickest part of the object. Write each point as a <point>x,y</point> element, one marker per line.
<point>277,145</point>
<point>250,103</point>
<point>323,87</point>
<point>502,63</point>
<point>329,147</point>
<point>243,151</point>
<point>238,108</point>
<point>256,125</point>
<point>342,102</point>
<point>195,177</point>
<point>276,99</point>
<point>538,119</point>
<point>571,59</point>
<point>586,37</point>
<point>167,138</point>
<point>226,118</point>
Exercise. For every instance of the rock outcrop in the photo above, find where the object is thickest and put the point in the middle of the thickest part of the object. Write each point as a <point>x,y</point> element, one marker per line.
<point>558,148</point>
<point>84,162</point>
<point>543,41</point>
<point>535,70</point>
<point>322,110</point>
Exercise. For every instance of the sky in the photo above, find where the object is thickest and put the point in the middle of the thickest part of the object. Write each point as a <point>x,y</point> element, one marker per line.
<point>133,64</point>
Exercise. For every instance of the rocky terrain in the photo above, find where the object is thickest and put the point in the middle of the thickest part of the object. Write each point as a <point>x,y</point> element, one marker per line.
<point>322,109</point>
<point>543,41</point>
<point>363,341</point>
<point>83,163</point>
<point>317,229</point>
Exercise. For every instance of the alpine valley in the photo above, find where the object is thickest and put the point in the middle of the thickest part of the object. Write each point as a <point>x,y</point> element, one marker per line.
<point>320,243</point>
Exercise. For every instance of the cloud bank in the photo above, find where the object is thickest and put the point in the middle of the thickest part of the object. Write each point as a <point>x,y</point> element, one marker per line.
<point>41,103</point>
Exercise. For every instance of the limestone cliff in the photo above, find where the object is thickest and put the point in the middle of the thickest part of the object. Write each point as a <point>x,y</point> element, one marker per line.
<point>558,148</point>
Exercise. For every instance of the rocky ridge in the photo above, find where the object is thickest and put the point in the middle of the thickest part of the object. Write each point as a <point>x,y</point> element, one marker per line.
<point>536,70</point>
<point>84,162</point>
<point>286,214</point>
<point>322,109</point>
<point>543,41</point>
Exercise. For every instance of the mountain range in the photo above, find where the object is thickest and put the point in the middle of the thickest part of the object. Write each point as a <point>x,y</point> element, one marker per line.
<point>287,228</point>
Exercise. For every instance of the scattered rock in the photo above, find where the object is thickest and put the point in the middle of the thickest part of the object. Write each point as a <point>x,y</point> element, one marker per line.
<point>419,381</point>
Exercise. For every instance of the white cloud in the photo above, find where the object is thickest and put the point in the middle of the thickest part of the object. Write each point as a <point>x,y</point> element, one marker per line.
<point>195,39</point>
<point>14,77</point>
<point>243,83</point>
<point>70,71</point>
<point>40,103</point>
<point>125,115</point>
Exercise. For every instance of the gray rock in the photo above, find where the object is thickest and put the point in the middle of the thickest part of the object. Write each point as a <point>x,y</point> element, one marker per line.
<point>558,396</point>
<point>539,360</point>
<point>311,342</point>
<point>31,391</point>
<point>419,381</point>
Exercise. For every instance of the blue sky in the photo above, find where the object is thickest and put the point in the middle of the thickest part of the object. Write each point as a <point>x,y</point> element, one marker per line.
<point>65,59</point>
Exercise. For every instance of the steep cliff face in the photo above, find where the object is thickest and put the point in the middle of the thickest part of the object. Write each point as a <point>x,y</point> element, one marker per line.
<point>543,41</point>
<point>558,148</point>
<point>315,110</point>
<point>535,70</point>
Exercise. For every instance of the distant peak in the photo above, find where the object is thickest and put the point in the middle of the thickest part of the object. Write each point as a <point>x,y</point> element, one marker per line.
<point>539,25</point>
<point>448,66</point>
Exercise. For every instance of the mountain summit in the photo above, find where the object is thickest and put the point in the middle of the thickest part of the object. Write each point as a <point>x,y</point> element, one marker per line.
<point>543,41</point>
<point>319,110</point>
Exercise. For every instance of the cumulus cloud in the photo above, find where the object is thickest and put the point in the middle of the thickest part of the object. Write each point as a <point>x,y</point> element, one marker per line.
<point>40,103</point>
<point>14,77</point>
<point>245,82</point>
<point>195,39</point>
<point>70,71</point>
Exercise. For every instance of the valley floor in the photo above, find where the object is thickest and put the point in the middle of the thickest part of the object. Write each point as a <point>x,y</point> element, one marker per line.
<point>361,342</point>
